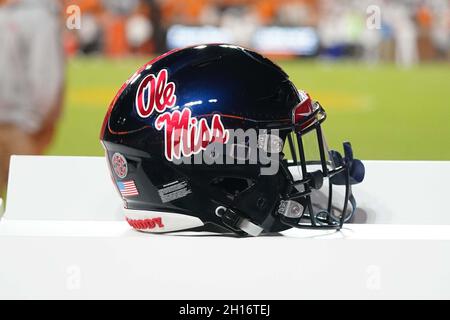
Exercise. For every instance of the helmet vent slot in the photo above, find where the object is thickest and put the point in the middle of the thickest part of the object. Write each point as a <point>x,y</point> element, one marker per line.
<point>231,185</point>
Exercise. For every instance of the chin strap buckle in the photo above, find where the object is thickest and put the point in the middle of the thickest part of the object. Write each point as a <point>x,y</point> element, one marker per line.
<point>236,222</point>
<point>290,209</point>
<point>249,227</point>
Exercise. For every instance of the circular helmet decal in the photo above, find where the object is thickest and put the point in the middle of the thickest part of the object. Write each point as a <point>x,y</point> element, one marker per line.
<point>119,164</point>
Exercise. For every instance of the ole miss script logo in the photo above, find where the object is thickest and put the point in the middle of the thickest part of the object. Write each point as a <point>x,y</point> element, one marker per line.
<point>184,135</point>
<point>155,93</point>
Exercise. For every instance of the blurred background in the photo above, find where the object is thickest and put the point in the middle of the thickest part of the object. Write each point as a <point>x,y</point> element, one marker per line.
<point>380,68</point>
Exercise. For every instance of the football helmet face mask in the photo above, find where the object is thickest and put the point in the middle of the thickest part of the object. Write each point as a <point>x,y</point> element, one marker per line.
<point>179,110</point>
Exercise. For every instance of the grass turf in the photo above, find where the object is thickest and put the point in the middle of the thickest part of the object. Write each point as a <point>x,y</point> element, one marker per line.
<point>386,112</point>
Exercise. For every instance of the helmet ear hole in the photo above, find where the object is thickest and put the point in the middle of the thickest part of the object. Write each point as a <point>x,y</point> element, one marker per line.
<point>231,185</point>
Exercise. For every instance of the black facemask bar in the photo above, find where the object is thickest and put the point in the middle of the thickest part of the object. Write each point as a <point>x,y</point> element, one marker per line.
<point>296,208</point>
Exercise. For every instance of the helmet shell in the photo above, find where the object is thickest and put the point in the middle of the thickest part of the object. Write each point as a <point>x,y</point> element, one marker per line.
<point>242,87</point>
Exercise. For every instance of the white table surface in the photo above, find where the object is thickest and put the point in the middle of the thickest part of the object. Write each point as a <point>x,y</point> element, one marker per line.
<point>63,236</point>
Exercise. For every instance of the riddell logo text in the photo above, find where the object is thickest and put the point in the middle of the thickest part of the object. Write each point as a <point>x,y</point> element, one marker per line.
<point>145,224</point>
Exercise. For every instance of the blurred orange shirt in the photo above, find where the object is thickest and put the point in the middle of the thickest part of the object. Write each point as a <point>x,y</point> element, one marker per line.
<point>424,17</point>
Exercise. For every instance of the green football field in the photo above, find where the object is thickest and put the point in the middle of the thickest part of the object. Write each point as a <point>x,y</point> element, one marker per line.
<point>386,112</point>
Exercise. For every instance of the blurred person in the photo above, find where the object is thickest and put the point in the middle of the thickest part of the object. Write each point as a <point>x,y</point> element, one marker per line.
<point>399,17</point>
<point>31,77</point>
<point>114,21</point>
<point>424,19</point>
<point>89,36</point>
<point>87,39</point>
<point>387,44</point>
<point>158,34</point>
<point>334,28</point>
<point>139,31</point>
<point>440,28</point>
<point>372,36</point>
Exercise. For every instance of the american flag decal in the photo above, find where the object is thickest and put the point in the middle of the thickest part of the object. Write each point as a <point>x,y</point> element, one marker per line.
<point>127,188</point>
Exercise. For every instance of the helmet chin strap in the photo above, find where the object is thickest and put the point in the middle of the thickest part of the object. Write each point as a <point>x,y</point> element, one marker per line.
<point>236,222</point>
<point>249,227</point>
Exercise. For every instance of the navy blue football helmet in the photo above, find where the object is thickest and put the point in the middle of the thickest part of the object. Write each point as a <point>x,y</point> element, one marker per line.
<point>231,105</point>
